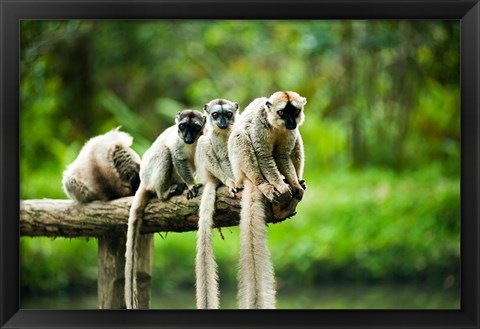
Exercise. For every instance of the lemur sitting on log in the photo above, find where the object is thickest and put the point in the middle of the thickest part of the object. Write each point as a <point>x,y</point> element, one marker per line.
<point>267,158</point>
<point>106,168</point>
<point>167,169</point>
<point>214,170</point>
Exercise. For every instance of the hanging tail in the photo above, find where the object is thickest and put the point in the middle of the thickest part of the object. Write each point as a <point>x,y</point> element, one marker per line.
<point>205,265</point>
<point>256,279</point>
<point>134,222</point>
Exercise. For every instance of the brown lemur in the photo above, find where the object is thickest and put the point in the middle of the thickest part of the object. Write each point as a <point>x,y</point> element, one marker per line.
<point>267,158</point>
<point>167,168</point>
<point>214,169</point>
<point>106,168</point>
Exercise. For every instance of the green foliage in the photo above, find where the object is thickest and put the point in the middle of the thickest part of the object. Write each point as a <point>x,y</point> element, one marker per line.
<point>57,266</point>
<point>369,226</point>
<point>382,137</point>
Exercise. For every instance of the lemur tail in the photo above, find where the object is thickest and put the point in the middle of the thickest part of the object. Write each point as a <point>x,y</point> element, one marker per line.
<point>256,280</point>
<point>205,265</point>
<point>134,222</point>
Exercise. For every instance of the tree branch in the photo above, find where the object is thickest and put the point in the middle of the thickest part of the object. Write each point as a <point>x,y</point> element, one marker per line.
<point>64,218</point>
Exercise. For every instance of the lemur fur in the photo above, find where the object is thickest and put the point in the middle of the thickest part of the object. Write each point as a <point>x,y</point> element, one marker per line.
<point>214,169</point>
<point>265,148</point>
<point>167,168</point>
<point>106,168</point>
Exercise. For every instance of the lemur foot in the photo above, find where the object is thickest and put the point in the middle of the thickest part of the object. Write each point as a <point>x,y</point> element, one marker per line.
<point>239,186</point>
<point>281,212</point>
<point>303,184</point>
<point>177,189</point>
<point>297,190</point>
<point>285,194</point>
<point>231,187</point>
<point>286,210</point>
<point>193,191</point>
<point>270,192</point>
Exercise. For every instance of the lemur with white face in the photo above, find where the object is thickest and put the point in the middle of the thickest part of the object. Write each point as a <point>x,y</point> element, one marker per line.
<point>167,168</point>
<point>214,169</point>
<point>106,168</point>
<point>265,149</point>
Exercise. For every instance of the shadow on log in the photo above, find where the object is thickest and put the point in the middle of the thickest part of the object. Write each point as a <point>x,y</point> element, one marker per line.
<point>64,218</point>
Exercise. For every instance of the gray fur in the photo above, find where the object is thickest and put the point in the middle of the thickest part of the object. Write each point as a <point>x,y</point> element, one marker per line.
<point>263,151</point>
<point>106,168</point>
<point>214,169</point>
<point>167,168</point>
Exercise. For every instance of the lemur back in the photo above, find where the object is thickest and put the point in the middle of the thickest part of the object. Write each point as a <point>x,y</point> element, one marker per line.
<point>106,168</point>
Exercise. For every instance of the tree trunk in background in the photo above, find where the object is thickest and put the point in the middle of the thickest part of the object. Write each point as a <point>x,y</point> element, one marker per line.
<point>78,86</point>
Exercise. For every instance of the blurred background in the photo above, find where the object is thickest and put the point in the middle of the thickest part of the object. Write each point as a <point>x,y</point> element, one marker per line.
<point>380,223</point>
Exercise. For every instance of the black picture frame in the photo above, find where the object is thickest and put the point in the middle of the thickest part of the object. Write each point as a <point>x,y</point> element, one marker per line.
<point>467,11</point>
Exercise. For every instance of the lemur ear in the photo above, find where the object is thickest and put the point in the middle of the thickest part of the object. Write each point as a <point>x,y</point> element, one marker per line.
<point>304,101</point>
<point>268,104</point>
<point>205,108</point>
<point>236,106</point>
<point>177,116</point>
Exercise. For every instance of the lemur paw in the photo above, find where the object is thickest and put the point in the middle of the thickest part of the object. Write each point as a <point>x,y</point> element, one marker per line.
<point>302,184</point>
<point>193,191</point>
<point>285,194</point>
<point>177,189</point>
<point>298,193</point>
<point>298,189</point>
<point>269,191</point>
<point>284,211</point>
<point>238,186</point>
<point>231,187</point>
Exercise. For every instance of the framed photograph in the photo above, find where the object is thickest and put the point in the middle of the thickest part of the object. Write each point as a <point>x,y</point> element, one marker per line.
<point>386,234</point>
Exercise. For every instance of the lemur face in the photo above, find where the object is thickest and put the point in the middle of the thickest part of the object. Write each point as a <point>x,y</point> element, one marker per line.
<point>221,113</point>
<point>190,125</point>
<point>285,109</point>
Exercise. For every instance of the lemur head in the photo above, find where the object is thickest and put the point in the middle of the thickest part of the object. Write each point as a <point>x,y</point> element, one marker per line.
<point>221,113</point>
<point>190,125</point>
<point>285,109</point>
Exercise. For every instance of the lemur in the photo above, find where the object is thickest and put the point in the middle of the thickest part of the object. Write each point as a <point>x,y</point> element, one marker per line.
<point>167,168</point>
<point>106,168</point>
<point>265,148</point>
<point>214,169</point>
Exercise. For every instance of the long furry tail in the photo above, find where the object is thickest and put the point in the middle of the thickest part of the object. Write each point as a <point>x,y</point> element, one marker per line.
<point>205,265</point>
<point>134,222</point>
<point>256,279</point>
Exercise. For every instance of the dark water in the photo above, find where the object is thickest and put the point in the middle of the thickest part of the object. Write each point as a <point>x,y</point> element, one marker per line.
<point>336,296</point>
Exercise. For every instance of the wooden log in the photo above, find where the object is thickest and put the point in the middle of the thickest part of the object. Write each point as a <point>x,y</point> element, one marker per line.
<point>111,271</point>
<point>64,218</point>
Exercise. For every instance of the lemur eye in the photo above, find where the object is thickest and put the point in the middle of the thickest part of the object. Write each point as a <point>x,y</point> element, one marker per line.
<point>229,115</point>
<point>181,126</point>
<point>280,113</point>
<point>297,111</point>
<point>198,127</point>
<point>215,115</point>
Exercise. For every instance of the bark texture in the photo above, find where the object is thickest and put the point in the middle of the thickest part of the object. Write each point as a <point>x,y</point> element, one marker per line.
<point>64,218</point>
